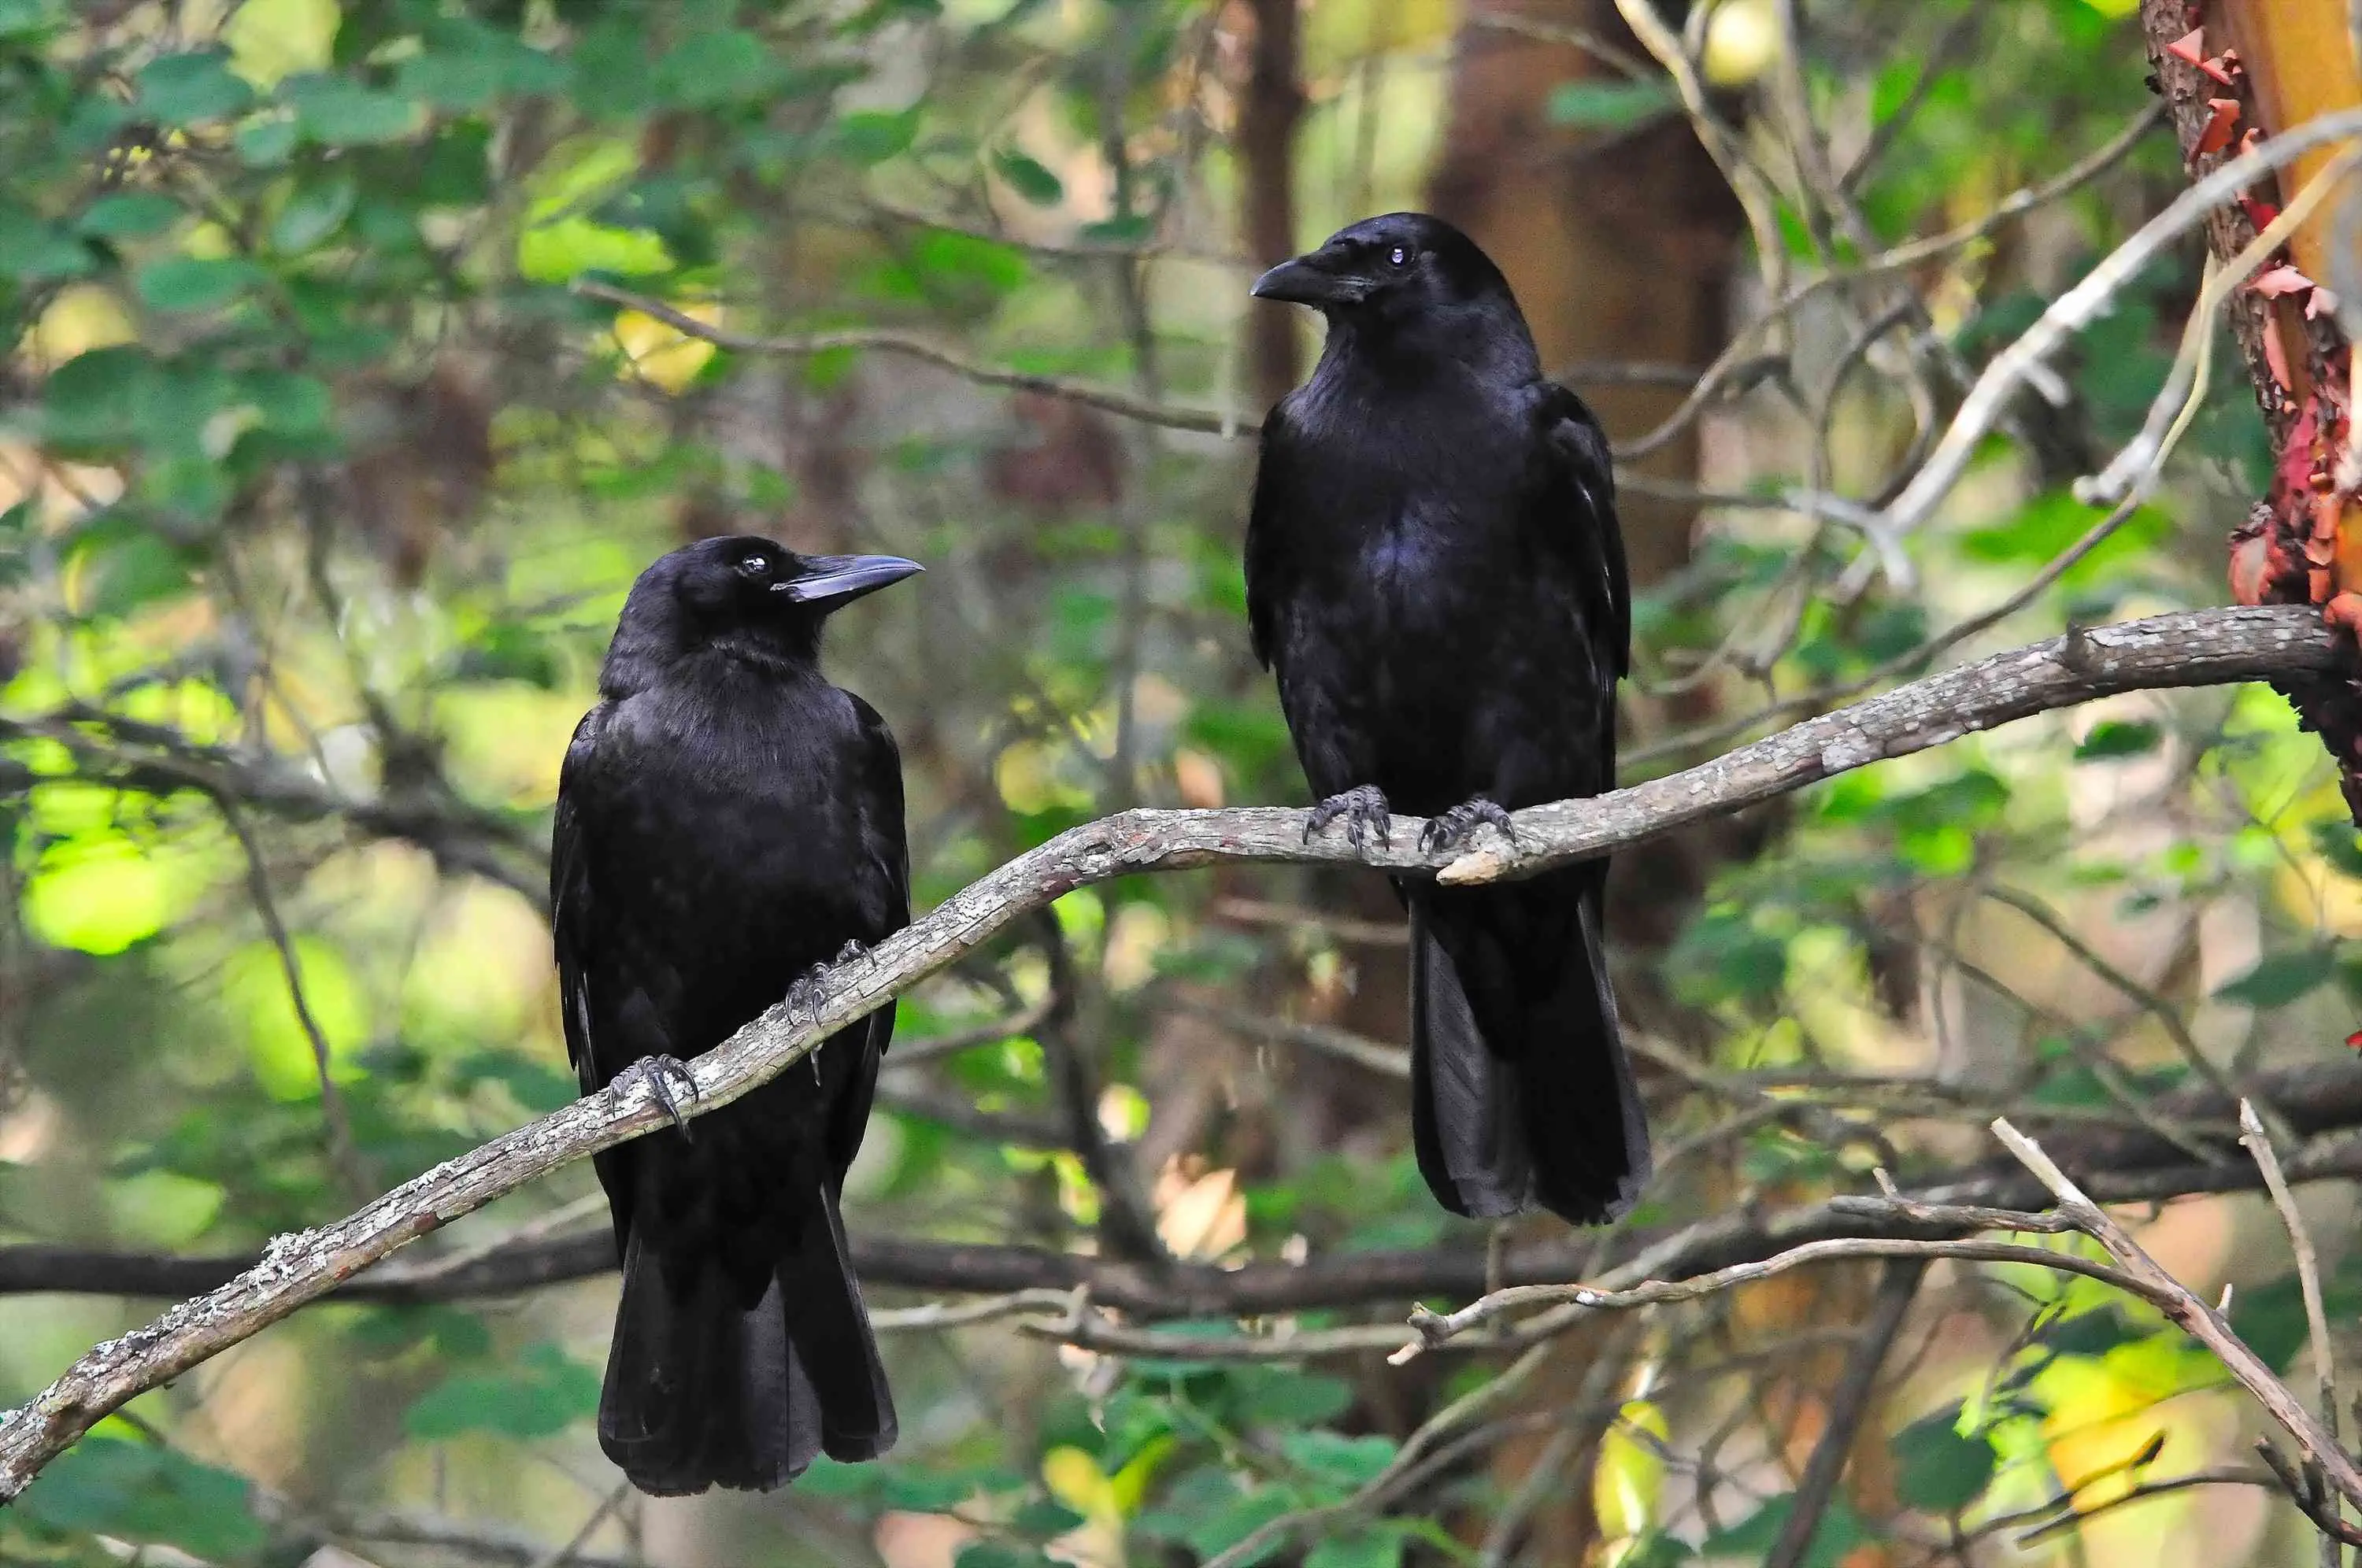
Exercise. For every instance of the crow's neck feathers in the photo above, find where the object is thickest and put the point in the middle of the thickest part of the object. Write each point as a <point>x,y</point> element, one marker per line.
<point>1482,342</point>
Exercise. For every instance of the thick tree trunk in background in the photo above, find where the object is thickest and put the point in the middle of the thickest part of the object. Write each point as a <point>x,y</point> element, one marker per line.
<point>1267,143</point>
<point>2289,61</point>
<point>1618,246</point>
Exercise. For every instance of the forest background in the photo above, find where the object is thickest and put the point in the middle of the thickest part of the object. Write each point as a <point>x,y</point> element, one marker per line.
<point>360,354</point>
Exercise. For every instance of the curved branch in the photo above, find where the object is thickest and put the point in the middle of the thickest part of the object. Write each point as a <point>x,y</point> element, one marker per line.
<point>2184,649</point>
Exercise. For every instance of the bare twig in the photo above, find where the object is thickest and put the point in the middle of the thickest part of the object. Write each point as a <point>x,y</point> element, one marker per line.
<point>2078,306</point>
<point>560,1555</point>
<point>912,345</point>
<point>2196,1318</point>
<point>1849,1403</point>
<point>1388,1061</point>
<point>2258,1143</point>
<point>1436,1328</point>
<point>343,1154</point>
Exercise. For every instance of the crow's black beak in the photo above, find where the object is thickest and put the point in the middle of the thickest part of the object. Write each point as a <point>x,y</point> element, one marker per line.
<point>836,580</point>
<point>1312,280</point>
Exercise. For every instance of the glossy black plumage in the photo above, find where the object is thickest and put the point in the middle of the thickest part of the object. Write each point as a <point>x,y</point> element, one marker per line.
<point>1434,572</point>
<point>726,820</point>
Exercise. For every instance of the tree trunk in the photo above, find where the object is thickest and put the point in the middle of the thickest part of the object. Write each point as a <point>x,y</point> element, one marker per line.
<point>1619,248</point>
<point>2287,61</point>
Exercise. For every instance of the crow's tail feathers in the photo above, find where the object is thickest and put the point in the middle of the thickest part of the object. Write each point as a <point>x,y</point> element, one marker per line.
<point>702,1391</point>
<point>1522,1095</point>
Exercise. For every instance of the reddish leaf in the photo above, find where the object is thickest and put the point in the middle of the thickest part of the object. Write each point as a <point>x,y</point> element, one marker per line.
<point>2354,1041</point>
<point>2320,302</point>
<point>2259,213</point>
<point>2189,49</point>
<point>2274,281</point>
<point>2225,119</point>
<point>2219,68</point>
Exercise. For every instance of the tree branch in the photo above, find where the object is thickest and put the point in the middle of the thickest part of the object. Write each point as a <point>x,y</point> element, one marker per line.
<point>2185,649</point>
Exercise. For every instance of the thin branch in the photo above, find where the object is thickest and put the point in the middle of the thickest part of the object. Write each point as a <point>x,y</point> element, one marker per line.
<point>1437,1328</point>
<point>2149,1001</point>
<point>2196,1318</point>
<point>343,1154</point>
<point>1981,409</point>
<point>912,345</point>
<point>2308,1274</point>
<point>2194,648</point>
<point>2126,1164</point>
<point>1387,1061</point>
<point>1849,1404</point>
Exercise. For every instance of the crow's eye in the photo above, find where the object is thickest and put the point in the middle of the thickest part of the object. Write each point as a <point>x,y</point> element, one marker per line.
<point>754,565</point>
<point>1395,257</point>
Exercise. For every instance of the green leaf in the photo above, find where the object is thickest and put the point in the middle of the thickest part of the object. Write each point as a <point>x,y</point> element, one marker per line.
<point>35,252</point>
<point>1226,1528</point>
<point>1379,1548</point>
<point>1345,1462</point>
<point>1941,1471</point>
<point>538,1394</point>
<point>188,284</point>
<point>2118,737</point>
<point>714,67</point>
<point>1837,1533</point>
<point>873,135</point>
<point>311,215</point>
<point>2338,843</point>
<point>24,19</point>
<point>190,89</point>
<point>138,1492</point>
<point>266,143</point>
<point>2270,1317</point>
<point>990,1553</point>
<point>2093,1334</point>
<point>1602,106</point>
<point>120,567</point>
<point>92,398</point>
<point>1280,1396</point>
<point>1028,177</point>
<point>337,112</point>
<point>1046,1516</point>
<point>289,404</point>
<point>129,215</point>
<point>2280,978</point>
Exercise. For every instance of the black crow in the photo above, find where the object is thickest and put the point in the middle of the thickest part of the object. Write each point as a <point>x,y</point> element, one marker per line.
<point>1434,571</point>
<point>727,820</point>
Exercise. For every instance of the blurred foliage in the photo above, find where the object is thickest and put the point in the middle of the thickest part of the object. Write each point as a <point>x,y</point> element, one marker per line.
<point>320,486</point>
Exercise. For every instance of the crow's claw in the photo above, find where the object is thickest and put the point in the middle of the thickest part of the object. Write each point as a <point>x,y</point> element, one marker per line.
<point>661,1073</point>
<point>805,995</point>
<point>1450,830</point>
<point>849,951</point>
<point>1365,813</point>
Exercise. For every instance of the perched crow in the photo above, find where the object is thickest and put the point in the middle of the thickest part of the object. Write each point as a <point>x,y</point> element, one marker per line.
<point>1434,571</point>
<point>726,822</point>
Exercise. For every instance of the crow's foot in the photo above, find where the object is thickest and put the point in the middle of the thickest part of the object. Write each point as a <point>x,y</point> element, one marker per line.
<point>662,1073</point>
<point>1450,830</point>
<point>805,995</point>
<point>1365,813</point>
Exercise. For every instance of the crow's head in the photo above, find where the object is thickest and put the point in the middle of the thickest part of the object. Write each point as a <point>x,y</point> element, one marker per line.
<point>749,593</point>
<point>1400,266</point>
